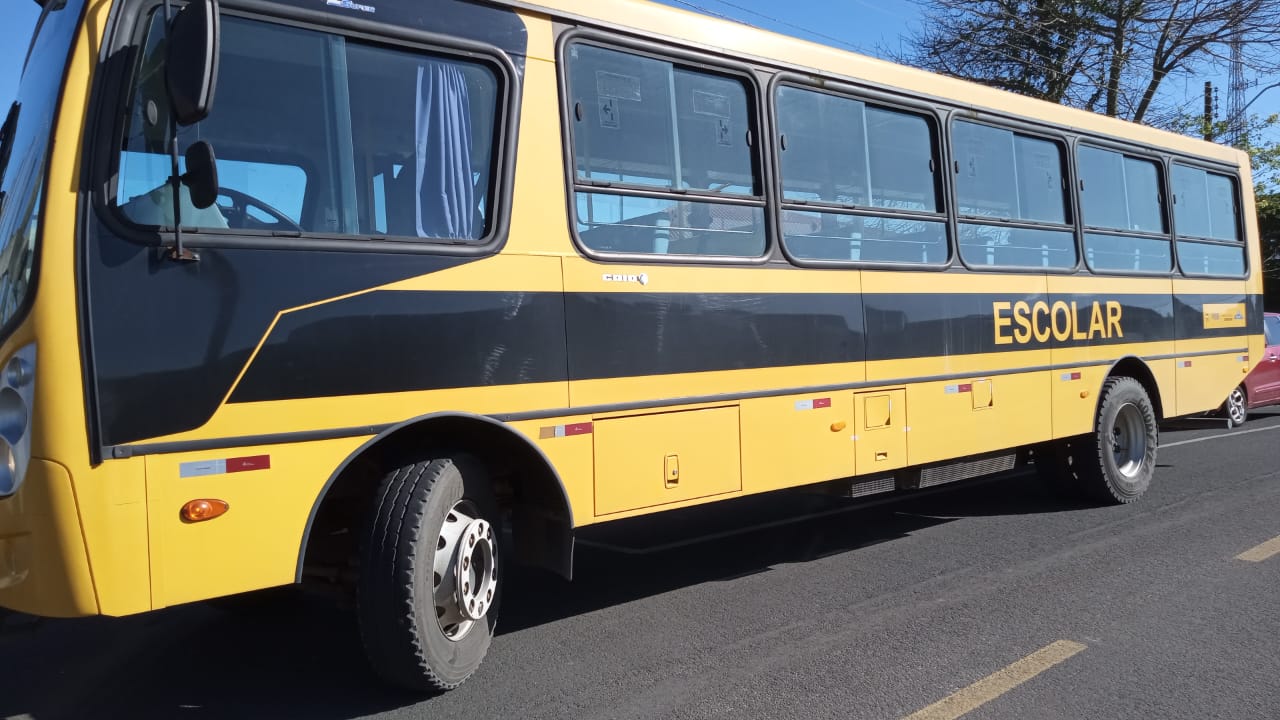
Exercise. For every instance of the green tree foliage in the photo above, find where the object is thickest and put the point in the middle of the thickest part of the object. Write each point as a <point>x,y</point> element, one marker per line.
<point>1265,161</point>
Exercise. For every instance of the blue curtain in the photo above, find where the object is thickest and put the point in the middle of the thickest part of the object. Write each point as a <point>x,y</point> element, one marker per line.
<point>446,197</point>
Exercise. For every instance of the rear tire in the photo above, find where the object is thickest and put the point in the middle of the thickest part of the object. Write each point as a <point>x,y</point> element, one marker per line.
<point>1114,463</point>
<point>1116,467</point>
<point>427,599</point>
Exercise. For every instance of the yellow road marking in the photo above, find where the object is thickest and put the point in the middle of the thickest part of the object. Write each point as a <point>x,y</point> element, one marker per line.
<point>996,684</point>
<point>1261,552</point>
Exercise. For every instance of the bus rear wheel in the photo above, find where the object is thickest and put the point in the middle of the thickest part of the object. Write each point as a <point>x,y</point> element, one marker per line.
<point>427,599</point>
<point>1117,464</point>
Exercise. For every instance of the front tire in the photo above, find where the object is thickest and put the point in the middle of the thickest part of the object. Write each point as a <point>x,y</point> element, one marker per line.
<point>427,599</point>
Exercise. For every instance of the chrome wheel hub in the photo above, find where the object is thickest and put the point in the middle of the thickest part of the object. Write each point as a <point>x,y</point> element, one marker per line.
<point>1236,407</point>
<point>1129,440</point>
<point>465,580</point>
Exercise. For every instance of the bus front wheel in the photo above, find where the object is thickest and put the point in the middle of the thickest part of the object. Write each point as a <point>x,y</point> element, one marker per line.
<point>427,599</point>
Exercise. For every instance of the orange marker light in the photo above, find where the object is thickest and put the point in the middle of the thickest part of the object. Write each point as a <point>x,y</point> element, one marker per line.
<point>200,510</point>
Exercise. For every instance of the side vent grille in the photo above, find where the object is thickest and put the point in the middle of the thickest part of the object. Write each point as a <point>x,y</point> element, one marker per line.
<point>872,486</point>
<point>966,469</point>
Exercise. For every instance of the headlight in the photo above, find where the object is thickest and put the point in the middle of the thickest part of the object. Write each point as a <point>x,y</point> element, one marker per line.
<point>8,466</point>
<point>17,391</point>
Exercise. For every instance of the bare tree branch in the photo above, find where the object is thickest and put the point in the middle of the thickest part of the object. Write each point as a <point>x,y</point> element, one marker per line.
<point>1108,55</point>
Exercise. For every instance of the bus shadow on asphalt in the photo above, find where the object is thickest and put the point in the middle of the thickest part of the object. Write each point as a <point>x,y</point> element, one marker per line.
<point>304,659</point>
<point>630,560</point>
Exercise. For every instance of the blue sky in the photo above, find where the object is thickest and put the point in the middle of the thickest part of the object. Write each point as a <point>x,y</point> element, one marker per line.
<point>872,26</point>
<point>17,19</point>
<point>865,25</point>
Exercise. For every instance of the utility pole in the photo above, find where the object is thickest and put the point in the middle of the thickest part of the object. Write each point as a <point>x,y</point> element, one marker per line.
<point>1208,111</point>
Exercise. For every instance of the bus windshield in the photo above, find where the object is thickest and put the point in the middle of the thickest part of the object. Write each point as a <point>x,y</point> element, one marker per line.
<point>24,147</point>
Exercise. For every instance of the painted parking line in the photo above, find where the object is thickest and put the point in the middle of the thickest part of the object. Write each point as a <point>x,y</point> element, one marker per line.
<point>998,683</point>
<point>1219,437</point>
<point>1261,552</point>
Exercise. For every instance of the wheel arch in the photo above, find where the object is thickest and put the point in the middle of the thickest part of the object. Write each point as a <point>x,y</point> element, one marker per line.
<point>524,480</point>
<point>1136,368</point>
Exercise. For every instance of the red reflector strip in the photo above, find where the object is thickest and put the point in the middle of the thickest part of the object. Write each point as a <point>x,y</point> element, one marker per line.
<point>967,387</point>
<point>814,404</point>
<point>1075,376</point>
<point>578,429</point>
<point>245,464</point>
<point>557,431</point>
<point>1186,363</point>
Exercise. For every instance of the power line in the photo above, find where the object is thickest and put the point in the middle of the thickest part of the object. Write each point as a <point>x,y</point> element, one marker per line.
<point>792,26</point>
<point>1084,80</point>
<point>707,11</point>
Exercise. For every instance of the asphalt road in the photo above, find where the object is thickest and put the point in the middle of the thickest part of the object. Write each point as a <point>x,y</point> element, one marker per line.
<point>1066,611</point>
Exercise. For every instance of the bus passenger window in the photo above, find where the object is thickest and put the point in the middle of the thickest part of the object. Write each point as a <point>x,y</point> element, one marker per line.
<point>1122,209</point>
<point>316,134</point>
<point>664,157</point>
<point>1017,180</point>
<point>1206,216</point>
<point>859,182</point>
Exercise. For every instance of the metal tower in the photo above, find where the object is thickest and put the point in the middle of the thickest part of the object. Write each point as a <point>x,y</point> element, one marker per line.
<point>1237,131</point>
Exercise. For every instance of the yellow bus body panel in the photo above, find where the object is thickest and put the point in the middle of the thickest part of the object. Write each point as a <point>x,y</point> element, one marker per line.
<point>794,440</point>
<point>256,543</point>
<point>44,569</point>
<point>653,460</point>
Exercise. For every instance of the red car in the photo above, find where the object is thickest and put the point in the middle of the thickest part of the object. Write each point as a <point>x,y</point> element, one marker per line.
<point>1262,385</point>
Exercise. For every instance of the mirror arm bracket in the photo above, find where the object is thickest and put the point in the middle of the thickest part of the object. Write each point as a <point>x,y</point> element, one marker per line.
<point>177,253</point>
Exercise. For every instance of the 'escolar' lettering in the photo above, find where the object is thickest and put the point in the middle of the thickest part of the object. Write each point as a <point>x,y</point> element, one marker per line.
<point>1021,322</point>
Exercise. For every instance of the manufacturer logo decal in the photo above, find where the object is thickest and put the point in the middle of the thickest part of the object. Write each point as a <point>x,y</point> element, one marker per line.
<point>349,5</point>
<point>642,278</point>
<point>1224,315</point>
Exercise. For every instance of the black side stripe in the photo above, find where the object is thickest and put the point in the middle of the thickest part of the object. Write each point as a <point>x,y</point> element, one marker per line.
<point>421,340</point>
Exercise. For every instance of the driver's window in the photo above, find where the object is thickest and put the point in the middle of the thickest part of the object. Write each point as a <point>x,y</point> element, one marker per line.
<point>319,135</point>
<point>259,188</point>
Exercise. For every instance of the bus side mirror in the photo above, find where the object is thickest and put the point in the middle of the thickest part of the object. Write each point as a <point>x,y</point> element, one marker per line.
<point>201,177</point>
<point>191,61</point>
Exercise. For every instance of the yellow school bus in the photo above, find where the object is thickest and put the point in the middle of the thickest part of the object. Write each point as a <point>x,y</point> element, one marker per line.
<point>390,294</point>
